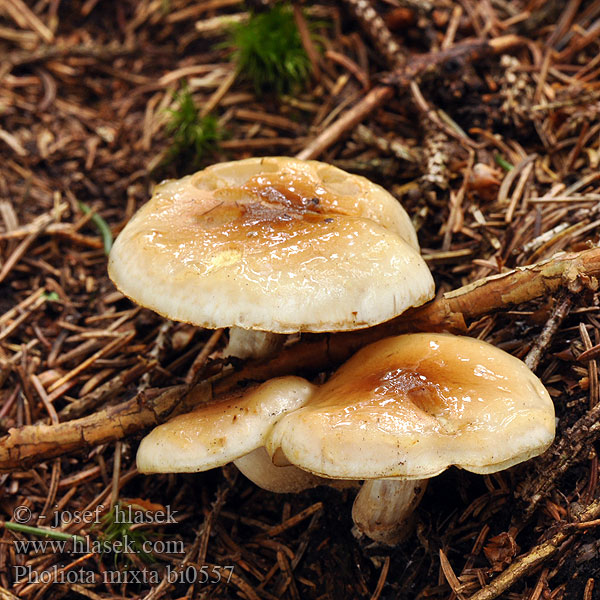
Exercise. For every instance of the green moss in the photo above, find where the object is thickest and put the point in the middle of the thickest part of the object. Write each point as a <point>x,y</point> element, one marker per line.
<point>193,136</point>
<point>268,51</point>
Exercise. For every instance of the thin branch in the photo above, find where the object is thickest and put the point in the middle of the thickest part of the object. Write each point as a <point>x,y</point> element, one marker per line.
<point>451,312</point>
<point>418,66</point>
<point>528,562</point>
<point>560,311</point>
<point>572,448</point>
<point>378,31</point>
<point>30,444</point>
<point>375,98</point>
<point>55,52</point>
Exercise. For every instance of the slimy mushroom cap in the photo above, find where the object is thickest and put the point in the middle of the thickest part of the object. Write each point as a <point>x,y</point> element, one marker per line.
<point>275,244</point>
<point>217,433</point>
<point>409,407</point>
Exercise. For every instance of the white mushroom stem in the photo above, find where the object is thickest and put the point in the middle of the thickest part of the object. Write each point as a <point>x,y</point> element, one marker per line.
<point>383,508</point>
<point>259,468</point>
<point>249,343</point>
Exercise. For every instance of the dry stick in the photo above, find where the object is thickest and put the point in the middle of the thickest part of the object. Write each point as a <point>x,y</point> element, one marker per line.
<point>561,310</point>
<point>27,445</point>
<point>60,51</point>
<point>6,595</point>
<point>110,347</point>
<point>23,316</point>
<point>56,467</point>
<point>416,67</point>
<point>289,583</point>
<point>523,178</point>
<point>19,308</point>
<point>432,115</point>
<point>195,371</point>
<point>219,94</point>
<point>382,578</point>
<point>376,97</point>
<point>307,42</point>
<point>114,492</point>
<point>454,222</point>
<point>451,312</point>
<point>25,17</point>
<point>378,31</point>
<point>23,246</point>
<point>572,448</point>
<point>294,520</point>
<point>450,575</point>
<point>528,562</point>
<point>112,387</point>
<point>158,348</point>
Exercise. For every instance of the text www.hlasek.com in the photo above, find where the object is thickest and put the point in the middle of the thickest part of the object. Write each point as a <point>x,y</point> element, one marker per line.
<point>87,546</point>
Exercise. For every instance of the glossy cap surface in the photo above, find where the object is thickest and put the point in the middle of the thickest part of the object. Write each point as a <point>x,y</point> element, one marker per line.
<point>276,244</point>
<point>220,432</point>
<point>411,406</point>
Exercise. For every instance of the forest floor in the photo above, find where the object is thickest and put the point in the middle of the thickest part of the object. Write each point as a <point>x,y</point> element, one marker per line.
<point>480,117</point>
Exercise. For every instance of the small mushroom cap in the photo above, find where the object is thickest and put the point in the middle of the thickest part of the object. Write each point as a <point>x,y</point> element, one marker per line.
<point>412,405</point>
<point>276,244</point>
<point>216,434</point>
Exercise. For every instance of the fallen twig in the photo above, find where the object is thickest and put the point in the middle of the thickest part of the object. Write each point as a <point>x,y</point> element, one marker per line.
<point>418,66</point>
<point>30,444</point>
<point>110,388</point>
<point>451,312</point>
<point>573,447</point>
<point>560,311</point>
<point>376,97</point>
<point>528,562</point>
<point>45,53</point>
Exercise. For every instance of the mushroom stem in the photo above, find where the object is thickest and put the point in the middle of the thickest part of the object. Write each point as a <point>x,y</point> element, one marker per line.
<point>259,468</point>
<point>249,343</point>
<point>383,508</point>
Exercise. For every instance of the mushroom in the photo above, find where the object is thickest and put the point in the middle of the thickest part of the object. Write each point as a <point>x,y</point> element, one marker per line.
<point>231,430</point>
<point>276,245</point>
<point>403,410</point>
<point>398,412</point>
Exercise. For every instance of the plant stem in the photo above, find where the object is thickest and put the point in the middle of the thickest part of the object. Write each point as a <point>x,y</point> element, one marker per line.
<point>57,535</point>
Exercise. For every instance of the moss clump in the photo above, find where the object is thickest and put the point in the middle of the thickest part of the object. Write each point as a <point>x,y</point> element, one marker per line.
<point>193,136</point>
<point>268,51</point>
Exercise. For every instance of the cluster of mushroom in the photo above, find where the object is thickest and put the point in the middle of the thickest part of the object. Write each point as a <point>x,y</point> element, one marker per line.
<point>280,245</point>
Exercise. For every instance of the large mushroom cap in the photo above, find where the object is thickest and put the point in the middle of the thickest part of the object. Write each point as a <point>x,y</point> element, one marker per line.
<point>277,244</point>
<point>412,405</point>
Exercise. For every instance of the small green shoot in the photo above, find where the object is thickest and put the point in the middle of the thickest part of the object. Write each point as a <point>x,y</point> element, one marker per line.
<point>102,225</point>
<point>268,50</point>
<point>117,534</point>
<point>502,162</point>
<point>41,532</point>
<point>193,136</point>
